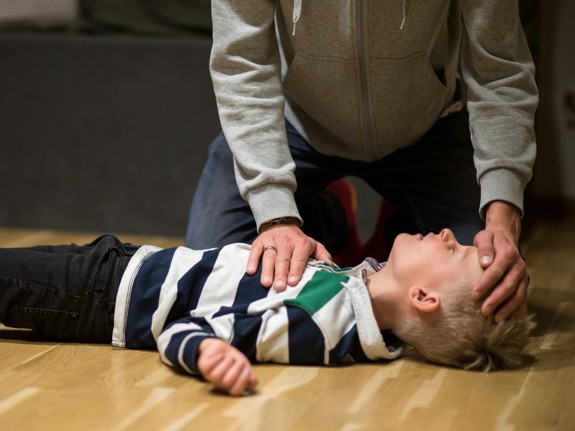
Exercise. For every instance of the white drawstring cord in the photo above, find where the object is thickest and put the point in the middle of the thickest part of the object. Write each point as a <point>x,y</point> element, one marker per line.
<point>405,13</point>
<point>296,14</point>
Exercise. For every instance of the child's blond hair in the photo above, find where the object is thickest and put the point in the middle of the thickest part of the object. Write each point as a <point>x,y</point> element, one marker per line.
<point>462,337</point>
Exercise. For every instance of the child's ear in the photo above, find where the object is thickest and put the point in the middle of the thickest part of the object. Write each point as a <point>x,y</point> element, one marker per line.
<point>423,300</point>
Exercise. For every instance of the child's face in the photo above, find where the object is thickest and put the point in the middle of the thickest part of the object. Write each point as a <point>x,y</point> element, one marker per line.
<point>433,260</point>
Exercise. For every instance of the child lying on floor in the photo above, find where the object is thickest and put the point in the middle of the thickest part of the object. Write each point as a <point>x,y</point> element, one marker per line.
<point>207,317</point>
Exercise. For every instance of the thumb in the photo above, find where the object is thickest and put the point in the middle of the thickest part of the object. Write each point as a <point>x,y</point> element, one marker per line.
<point>485,248</point>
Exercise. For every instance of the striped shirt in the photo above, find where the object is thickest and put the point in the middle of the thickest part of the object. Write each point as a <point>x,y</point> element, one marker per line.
<point>171,299</point>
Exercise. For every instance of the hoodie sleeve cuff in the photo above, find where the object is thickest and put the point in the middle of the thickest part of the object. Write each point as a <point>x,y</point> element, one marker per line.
<point>272,202</point>
<point>501,185</point>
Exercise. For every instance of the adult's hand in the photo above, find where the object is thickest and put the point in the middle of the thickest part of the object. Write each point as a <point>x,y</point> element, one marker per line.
<point>284,251</point>
<point>503,285</point>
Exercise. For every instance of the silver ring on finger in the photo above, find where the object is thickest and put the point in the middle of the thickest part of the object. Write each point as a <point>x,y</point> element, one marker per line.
<point>270,247</point>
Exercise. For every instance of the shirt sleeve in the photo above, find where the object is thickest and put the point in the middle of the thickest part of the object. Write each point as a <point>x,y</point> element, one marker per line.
<point>179,344</point>
<point>246,73</point>
<point>501,97</point>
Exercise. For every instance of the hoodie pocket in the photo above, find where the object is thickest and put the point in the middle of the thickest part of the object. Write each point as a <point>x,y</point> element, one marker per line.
<point>400,102</point>
<point>406,98</point>
<point>326,90</point>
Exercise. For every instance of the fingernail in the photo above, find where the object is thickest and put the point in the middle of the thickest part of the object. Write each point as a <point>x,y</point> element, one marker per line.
<point>267,280</point>
<point>485,259</point>
<point>292,279</point>
<point>279,284</point>
<point>476,295</point>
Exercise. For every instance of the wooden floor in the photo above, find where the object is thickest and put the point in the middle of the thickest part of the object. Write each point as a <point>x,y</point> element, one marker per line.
<point>46,385</point>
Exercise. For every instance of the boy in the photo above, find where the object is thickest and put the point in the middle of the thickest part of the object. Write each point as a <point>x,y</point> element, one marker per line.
<point>207,317</point>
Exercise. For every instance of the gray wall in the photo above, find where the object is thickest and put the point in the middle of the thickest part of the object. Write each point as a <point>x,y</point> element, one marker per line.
<point>104,133</point>
<point>555,167</point>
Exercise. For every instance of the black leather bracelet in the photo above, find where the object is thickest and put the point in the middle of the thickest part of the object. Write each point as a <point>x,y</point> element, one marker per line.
<point>280,221</point>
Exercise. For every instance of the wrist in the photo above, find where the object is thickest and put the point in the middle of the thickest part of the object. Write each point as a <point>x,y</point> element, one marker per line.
<point>280,221</point>
<point>504,217</point>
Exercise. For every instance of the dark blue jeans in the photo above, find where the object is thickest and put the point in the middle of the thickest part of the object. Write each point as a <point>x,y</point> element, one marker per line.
<point>63,292</point>
<point>432,184</point>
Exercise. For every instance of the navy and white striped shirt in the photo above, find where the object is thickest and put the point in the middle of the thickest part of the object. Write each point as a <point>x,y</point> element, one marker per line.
<point>171,299</point>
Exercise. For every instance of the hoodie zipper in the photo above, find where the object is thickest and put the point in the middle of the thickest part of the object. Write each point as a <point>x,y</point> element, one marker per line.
<point>368,125</point>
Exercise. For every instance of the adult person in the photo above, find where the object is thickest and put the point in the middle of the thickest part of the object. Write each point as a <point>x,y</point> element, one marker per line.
<point>431,103</point>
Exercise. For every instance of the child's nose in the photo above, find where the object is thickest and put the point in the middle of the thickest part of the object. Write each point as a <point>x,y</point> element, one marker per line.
<point>446,235</point>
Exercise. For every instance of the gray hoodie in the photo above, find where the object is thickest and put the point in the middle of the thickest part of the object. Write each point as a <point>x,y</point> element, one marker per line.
<point>363,78</point>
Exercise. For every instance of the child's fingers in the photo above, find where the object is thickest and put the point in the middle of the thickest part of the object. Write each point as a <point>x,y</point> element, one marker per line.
<point>242,381</point>
<point>253,379</point>
<point>232,374</point>
<point>237,376</point>
<point>217,374</point>
<point>225,367</point>
<point>206,363</point>
<point>212,351</point>
<point>238,384</point>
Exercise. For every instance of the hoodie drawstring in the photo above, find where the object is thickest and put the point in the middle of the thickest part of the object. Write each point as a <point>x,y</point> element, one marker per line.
<point>406,6</point>
<point>296,13</point>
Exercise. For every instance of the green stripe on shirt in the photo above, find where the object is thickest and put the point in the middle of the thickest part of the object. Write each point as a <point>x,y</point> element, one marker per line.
<point>318,291</point>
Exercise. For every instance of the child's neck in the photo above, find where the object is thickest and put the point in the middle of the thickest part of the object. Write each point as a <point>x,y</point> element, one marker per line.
<point>386,299</point>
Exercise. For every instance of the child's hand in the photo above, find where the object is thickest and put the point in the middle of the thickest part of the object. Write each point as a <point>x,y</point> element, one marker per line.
<point>226,367</point>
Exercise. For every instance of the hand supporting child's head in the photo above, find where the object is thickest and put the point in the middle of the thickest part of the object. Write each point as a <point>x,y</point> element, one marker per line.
<point>443,323</point>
